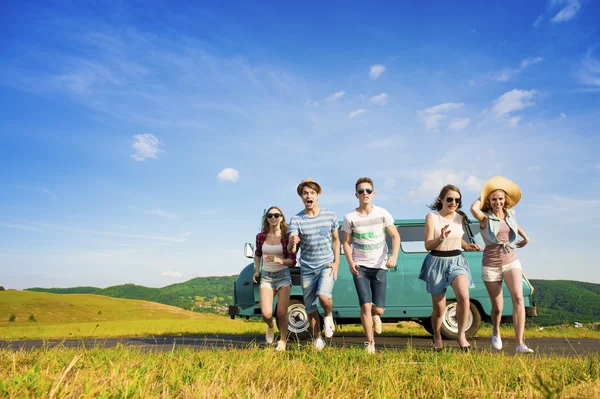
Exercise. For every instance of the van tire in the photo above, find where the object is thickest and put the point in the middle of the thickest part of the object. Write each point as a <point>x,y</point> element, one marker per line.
<point>449,325</point>
<point>297,319</point>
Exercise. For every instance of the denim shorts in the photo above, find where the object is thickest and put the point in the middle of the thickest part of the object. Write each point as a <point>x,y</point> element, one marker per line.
<point>316,282</point>
<point>371,286</point>
<point>275,280</point>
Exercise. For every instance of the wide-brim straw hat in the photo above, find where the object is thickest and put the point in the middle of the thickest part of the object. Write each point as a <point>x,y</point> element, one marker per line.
<point>501,183</point>
<point>305,182</point>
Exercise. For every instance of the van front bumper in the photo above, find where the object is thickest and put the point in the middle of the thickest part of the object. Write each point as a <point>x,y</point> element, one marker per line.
<point>531,311</point>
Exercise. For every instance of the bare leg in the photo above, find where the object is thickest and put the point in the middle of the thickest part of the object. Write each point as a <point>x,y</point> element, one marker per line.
<point>326,304</point>
<point>439,304</point>
<point>283,301</point>
<point>513,280</point>
<point>266,305</point>
<point>315,323</point>
<point>460,285</point>
<point>367,321</point>
<point>494,289</point>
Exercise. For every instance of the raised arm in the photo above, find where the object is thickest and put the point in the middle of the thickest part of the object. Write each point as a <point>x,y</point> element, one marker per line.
<point>477,214</point>
<point>434,238</point>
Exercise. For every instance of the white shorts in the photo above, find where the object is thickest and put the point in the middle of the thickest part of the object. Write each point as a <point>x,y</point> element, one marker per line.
<point>492,273</point>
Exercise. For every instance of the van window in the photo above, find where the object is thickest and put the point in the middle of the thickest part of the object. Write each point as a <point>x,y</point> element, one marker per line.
<point>411,238</point>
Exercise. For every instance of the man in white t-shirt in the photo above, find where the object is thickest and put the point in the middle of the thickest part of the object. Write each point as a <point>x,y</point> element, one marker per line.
<point>366,250</point>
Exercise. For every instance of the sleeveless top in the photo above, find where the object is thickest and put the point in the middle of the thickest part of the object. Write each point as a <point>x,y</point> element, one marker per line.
<point>275,250</point>
<point>454,239</point>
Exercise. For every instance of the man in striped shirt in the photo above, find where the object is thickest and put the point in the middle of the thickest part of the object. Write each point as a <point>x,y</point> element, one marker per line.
<point>366,251</point>
<point>314,231</point>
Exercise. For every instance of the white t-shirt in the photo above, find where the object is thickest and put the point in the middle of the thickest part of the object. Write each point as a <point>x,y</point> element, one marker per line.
<point>369,247</point>
<point>454,239</point>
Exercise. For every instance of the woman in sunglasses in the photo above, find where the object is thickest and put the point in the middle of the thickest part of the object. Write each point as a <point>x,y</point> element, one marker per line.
<point>500,233</point>
<point>271,248</point>
<point>445,265</point>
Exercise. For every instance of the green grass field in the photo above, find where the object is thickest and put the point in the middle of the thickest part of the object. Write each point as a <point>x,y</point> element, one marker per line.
<point>85,315</point>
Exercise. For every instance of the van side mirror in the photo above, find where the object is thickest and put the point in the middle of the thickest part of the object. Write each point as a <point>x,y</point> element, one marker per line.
<point>248,250</point>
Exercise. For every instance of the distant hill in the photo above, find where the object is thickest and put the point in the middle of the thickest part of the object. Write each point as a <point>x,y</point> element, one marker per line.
<point>559,301</point>
<point>563,301</point>
<point>48,307</point>
<point>202,294</point>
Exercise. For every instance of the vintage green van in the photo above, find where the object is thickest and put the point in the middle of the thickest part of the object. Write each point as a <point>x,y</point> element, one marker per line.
<point>407,298</point>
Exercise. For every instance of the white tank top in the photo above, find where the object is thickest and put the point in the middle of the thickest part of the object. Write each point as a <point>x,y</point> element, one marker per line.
<point>454,239</point>
<point>275,250</point>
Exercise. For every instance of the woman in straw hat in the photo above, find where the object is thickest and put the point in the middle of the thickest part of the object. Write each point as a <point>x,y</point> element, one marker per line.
<point>271,249</point>
<point>445,265</point>
<point>500,232</point>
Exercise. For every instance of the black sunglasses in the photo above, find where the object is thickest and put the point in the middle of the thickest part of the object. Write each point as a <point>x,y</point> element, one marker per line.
<point>362,190</point>
<point>450,199</point>
<point>273,215</point>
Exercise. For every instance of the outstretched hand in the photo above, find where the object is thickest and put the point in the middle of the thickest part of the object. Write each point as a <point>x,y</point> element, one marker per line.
<point>445,231</point>
<point>472,247</point>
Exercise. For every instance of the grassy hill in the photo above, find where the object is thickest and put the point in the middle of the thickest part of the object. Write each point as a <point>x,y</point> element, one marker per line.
<point>562,301</point>
<point>202,294</point>
<point>55,308</point>
<point>559,301</point>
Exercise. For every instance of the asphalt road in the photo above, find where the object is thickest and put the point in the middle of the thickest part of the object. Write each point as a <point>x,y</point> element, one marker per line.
<point>542,346</point>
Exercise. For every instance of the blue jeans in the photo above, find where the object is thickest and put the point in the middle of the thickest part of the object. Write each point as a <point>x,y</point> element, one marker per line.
<point>371,285</point>
<point>316,282</point>
<point>276,280</point>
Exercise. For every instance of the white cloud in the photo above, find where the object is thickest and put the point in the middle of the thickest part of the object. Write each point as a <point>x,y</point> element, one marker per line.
<point>170,273</point>
<point>589,72</point>
<point>534,168</point>
<point>514,121</point>
<point>443,108</point>
<point>229,174</point>
<point>432,121</point>
<point>513,100</point>
<point>159,212</point>
<point>145,146</point>
<point>49,193</point>
<point>538,22</point>
<point>356,113</point>
<point>432,116</point>
<point>20,227</point>
<point>563,115</point>
<point>530,61</point>
<point>460,124</point>
<point>335,96</point>
<point>376,70</point>
<point>433,181</point>
<point>567,12</point>
<point>389,184</point>
<point>380,99</point>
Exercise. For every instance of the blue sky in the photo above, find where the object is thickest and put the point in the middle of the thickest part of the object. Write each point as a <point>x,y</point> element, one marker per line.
<point>141,141</point>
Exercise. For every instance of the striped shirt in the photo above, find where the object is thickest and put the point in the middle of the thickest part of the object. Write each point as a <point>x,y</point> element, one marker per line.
<point>315,237</point>
<point>369,247</point>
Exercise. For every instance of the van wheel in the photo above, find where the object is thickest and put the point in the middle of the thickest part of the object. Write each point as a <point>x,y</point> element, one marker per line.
<point>297,319</point>
<point>450,324</point>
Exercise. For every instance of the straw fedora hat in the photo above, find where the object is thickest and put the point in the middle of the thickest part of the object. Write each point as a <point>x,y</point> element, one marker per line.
<point>304,183</point>
<point>501,183</point>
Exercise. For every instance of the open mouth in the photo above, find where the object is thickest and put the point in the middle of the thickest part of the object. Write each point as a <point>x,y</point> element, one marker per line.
<point>309,202</point>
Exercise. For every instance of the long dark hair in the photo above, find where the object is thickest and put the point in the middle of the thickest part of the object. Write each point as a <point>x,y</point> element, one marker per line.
<point>282,224</point>
<point>437,205</point>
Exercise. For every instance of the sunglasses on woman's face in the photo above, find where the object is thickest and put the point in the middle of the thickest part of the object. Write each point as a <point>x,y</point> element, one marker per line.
<point>273,215</point>
<point>450,199</point>
<point>361,191</point>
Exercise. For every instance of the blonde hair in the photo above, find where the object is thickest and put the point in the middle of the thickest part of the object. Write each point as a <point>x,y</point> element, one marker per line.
<point>282,224</point>
<point>486,207</point>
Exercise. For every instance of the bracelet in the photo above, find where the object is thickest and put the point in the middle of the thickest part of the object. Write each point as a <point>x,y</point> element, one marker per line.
<point>442,238</point>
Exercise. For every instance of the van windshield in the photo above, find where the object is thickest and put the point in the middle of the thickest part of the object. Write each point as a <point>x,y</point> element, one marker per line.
<point>412,237</point>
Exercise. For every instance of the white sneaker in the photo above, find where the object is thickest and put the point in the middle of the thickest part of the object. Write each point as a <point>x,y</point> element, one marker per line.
<point>496,342</point>
<point>370,348</point>
<point>281,346</point>
<point>270,335</point>
<point>319,343</point>
<point>523,349</point>
<point>329,327</point>
<point>377,324</point>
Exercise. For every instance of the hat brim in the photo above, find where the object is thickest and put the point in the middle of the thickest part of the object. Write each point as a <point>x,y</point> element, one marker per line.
<point>304,183</point>
<point>511,189</point>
